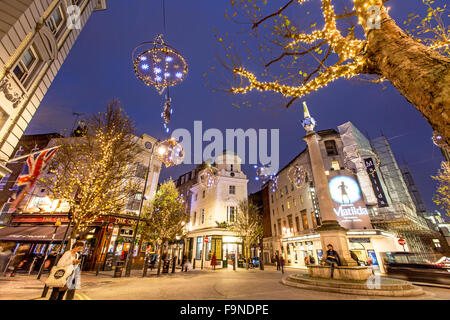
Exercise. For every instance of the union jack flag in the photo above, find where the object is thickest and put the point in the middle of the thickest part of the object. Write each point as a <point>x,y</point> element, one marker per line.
<point>35,165</point>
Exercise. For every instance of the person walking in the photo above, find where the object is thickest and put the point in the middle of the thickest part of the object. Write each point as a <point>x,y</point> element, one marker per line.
<point>312,260</point>
<point>277,261</point>
<point>282,264</point>
<point>74,281</point>
<point>332,259</point>
<point>214,261</point>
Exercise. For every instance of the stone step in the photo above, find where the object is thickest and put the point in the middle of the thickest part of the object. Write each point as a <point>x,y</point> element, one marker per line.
<point>387,287</point>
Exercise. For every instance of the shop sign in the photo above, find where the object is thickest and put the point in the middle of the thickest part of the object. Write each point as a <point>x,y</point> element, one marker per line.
<point>376,185</point>
<point>359,240</point>
<point>349,207</point>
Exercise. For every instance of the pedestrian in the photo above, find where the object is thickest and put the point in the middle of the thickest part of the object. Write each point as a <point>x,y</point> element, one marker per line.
<point>214,261</point>
<point>312,260</point>
<point>153,261</point>
<point>74,281</point>
<point>332,258</point>
<point>306,260</point>
<point>282,264</point>
<point>277,261</point>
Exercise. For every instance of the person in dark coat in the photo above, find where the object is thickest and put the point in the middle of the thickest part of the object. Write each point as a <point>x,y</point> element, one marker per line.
<point>332,258</point>
<point>277,261</point>
<point>312,260</point>
<point>282,264</point>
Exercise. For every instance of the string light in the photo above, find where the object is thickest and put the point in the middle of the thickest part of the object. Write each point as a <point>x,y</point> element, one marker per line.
<point>297,176</point>
<point>169,152</point>
<point>207,177</point>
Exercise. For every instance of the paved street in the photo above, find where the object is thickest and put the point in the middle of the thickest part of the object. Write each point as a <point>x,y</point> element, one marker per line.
<point>194,285</point>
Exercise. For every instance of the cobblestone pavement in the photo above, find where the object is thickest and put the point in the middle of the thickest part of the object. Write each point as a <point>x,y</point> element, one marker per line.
<point>193,285</point>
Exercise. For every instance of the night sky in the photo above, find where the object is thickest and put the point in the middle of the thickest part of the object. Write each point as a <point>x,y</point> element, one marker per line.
<point>99,68</point>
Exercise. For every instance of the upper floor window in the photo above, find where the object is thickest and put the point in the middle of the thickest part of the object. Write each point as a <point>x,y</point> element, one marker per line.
<point>203,216</point>
<point>335,165</point>
<point>282,207</point>
<point>196,197</point>
<point>231,167</point>
<point>330,145</point>
<point>203,194</point>
<point>195,218</point>
<point>26,65</point>
<point>232,213</point>
<point>55,20</point>
<point>286,189</point>
<point>232,189</point>
<point>272,197</point>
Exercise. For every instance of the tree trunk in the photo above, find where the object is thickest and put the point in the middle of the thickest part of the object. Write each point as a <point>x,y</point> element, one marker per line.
<point>160,257</point>
<point>420,74</point>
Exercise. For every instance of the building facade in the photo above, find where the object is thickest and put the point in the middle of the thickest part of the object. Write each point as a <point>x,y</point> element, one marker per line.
<point>369,198</point>
<point>212,208</point>
<point>35,38</point>
<point>108,238</point>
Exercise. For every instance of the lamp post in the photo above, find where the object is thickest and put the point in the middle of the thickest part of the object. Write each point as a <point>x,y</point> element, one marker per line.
<point>129,260</point>
<point>57,224</point>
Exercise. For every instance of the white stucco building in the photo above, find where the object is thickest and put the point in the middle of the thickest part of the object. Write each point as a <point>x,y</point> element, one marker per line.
<point>36,36</point>
<point>212,206</point>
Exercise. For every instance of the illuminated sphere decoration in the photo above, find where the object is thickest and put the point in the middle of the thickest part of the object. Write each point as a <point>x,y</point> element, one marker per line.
<point>169,152</point>
<point>207,177</point>
<point>263,173</point>
<point>159,65</point>
<point>274,184</point>
<point>297,175</point>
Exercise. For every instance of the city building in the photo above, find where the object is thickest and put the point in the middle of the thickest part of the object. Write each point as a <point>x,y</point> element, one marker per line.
<point>108,238</point>
<point>36,37</point>
<point>370,199</point>
<point>213,205</point>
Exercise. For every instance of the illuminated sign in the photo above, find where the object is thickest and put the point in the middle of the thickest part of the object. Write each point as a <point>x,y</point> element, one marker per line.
<point>349,207</point>
<point>376,185</point>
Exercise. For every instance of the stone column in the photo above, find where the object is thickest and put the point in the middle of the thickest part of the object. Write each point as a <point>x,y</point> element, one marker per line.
<point>330,230</point>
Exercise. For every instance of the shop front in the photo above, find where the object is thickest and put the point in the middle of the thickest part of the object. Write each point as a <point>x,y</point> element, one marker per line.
<point>301,250</point>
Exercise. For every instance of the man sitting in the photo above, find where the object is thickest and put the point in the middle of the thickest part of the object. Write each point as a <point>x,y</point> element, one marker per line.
<point>331,258</point>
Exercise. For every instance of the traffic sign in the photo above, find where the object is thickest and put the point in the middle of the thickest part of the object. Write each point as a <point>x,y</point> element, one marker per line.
<point>401,241</point>
<point>206,239</point>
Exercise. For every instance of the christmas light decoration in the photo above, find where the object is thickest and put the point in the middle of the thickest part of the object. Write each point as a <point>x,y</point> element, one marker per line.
<point>263,173</point>
<point>274,184</point>
<point>297,176</point>
<point>207,177</point>
<point>169,152</point>
<point>438,140</point>
<point>159,65</point>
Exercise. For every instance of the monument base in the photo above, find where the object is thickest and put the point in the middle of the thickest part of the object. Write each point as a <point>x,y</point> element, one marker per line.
<point>340,272</point>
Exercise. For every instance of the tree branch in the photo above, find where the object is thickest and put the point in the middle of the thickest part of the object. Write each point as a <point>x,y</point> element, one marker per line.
<point>256,24</point>
<point>295,53</point>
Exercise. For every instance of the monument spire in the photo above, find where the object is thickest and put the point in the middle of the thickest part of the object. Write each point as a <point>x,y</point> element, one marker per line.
<point>308,122</point>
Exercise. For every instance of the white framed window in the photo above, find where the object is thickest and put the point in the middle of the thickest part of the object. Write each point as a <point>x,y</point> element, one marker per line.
<point>232,213</point>
<point>232,189</point>
<point>55,20</point>
<point>26,65</point>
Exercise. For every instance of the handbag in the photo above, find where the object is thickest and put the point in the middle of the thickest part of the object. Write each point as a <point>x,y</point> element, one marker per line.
<point>58,276</point>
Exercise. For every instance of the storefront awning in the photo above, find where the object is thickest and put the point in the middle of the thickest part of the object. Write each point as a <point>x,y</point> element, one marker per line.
<point>37,233</point>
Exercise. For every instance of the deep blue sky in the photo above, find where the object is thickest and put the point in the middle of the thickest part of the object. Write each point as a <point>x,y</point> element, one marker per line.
<point>99,68</point>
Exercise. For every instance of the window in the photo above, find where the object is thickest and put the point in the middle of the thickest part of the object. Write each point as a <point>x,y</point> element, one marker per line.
<point>290,223</point>
<point>292,187</point>
<point>305,220</point>
<point>4,181</point>
<point>273,212</point>
<point>272,197</point>
<point>276,195</point>
<point>335,165</point>
<point>55,20</point>
<point>297,224</point>
<point>196,197</point>
<point>288,205</point>
<point>134,202</point>
<point>141,171</point>
<point>286,189</point>
<point>301,199</point>
<point>231,167</point>
<point>232,213</point>
<point>295,202</point>
<point>275,229</point>
<point>199,248</point>
<point>282,207</point>
<point>313,219</point>
<point>203,216</point>
<point>281,193</point>
<point>26,65</point>
<point>330,145</point>
<point>279,226</point>
<point>203,194</point>
<point>194,223</point>
<point>182,180</point>
<point>232,189</point>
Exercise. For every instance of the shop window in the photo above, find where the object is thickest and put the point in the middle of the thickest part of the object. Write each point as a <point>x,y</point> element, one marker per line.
<point>199,248</point>
<point>335,165</point>
<point>330,146</point>
<point>232,190</point>
<point>26,65</point>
